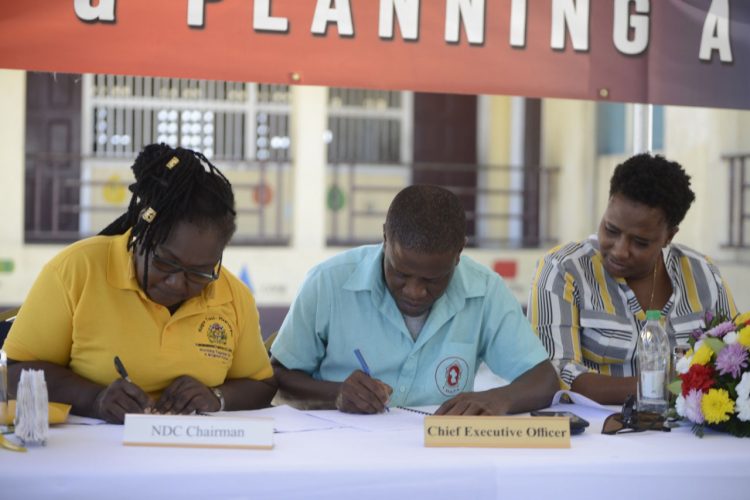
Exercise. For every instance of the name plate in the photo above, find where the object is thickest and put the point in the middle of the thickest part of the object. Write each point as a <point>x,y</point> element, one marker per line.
<point>198,431</point>
<point>497,432</point>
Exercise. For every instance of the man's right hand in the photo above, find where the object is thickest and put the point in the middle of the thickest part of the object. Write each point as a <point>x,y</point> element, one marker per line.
<point>360,393</point>
<point>119,398</point>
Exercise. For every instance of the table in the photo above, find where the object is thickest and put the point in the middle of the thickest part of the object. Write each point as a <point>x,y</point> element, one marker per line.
<point>90,462</point>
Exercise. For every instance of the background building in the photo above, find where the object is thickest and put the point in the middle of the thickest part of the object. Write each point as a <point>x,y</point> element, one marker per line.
<point>314,169</point>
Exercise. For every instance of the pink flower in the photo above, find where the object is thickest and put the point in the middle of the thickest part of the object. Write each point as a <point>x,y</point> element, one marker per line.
<point>732,359</point>
<point>693,410</point>
<point>721,329</point>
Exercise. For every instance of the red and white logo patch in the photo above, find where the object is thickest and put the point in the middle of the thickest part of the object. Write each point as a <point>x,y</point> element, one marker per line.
<point>451,375</point>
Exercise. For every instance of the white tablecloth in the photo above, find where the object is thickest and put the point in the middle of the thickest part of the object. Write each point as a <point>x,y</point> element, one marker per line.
<point>91,462</point>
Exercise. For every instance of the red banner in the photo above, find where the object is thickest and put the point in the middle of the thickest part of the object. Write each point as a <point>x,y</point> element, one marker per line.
<point>688,52</point>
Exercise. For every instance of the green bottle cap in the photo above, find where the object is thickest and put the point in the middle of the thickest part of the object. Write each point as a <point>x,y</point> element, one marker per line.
<point>653,314</point>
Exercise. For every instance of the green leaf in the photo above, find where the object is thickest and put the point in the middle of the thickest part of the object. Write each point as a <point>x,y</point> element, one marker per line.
<point>675,387</point>
<point>716,345</point>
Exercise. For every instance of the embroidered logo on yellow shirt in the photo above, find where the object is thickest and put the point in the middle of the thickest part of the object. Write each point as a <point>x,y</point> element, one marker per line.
<point>213,340</point>
<point>217,334</point>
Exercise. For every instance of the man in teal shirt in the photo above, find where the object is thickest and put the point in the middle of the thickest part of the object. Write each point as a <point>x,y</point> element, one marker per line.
<point>421,315</point>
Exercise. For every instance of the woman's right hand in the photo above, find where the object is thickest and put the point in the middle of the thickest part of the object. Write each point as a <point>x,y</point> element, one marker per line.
<point>119,398</point>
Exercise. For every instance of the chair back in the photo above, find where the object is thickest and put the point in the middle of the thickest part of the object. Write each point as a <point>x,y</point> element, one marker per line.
<point>6,320</point>
<point>269,341</point>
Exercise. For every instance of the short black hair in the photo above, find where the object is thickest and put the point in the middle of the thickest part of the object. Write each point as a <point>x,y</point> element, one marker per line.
<point>655,182</point>
<point>428,219</point>
<point>174,185</point>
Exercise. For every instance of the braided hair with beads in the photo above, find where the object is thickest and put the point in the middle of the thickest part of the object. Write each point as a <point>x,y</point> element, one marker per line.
<point>173,185</point>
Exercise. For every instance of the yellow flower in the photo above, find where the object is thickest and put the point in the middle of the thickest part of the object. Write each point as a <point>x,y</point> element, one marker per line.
<point>702,355</point>
<point>744,336</point>
<point>717,406</point>
<point>742,318</point>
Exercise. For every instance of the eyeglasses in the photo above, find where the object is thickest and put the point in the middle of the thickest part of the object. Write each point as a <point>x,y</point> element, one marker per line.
<point>632,420</point>
<point>198,277</point>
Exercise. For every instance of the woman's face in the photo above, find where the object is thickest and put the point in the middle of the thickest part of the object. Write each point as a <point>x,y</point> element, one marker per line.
<point>179,268</point>
<point>631,236</point>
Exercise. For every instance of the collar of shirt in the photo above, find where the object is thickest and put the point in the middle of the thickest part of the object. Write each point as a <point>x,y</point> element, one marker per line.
<point>671,259</point>
<point>368,276</point>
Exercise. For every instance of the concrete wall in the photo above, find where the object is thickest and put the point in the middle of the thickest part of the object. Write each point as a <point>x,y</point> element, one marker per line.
<point>13,285</point>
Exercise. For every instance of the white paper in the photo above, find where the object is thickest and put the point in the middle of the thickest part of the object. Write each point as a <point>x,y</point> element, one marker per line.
<point>578,399</point>
<point>582,406</point>
<point>79,420</point>
<point>288,419</point>
<point>395,419</point>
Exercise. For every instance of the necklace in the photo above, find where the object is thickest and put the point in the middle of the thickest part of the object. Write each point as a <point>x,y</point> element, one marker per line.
<point>653,286</point>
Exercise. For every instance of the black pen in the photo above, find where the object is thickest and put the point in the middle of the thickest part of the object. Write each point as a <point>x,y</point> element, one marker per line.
<point>121,370</point>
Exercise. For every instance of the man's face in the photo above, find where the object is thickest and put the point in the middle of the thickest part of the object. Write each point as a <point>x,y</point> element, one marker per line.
<point>415,279</point>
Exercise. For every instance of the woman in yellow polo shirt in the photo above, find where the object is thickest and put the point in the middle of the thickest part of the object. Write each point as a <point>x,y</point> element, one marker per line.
<point>150,290</point>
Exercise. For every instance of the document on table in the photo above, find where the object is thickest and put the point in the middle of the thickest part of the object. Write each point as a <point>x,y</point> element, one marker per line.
<point>288,419</point>
<point>79,420</point>
<point>395,419</point>
<point>580,405</point>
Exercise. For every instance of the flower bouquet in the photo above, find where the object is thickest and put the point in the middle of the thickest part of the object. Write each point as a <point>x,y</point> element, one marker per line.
<point>713,388</point>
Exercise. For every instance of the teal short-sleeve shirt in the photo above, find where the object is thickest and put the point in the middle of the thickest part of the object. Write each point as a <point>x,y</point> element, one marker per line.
<point>344,304</point>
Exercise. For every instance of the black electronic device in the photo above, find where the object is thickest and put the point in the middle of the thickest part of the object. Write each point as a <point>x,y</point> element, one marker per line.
<point>577,424</point>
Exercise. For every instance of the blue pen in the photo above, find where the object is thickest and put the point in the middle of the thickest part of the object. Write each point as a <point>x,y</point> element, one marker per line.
<point>362,362</point>
<point>365,368</point>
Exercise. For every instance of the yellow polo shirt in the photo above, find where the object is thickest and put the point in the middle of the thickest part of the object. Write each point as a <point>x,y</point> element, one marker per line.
<point>86,307</point>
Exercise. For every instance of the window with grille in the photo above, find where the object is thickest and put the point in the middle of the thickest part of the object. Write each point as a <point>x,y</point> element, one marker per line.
<point>369,156</point>
<point>368,126</point>
<point>374,152</point>
<point>738,224</point>
<point>226,121</point>
<point>241,127</point>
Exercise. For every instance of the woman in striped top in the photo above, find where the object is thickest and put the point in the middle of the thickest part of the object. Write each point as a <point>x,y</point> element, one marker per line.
<point>588,300</point>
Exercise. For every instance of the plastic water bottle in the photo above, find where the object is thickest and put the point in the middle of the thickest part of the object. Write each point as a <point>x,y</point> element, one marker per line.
<point>653,368</point>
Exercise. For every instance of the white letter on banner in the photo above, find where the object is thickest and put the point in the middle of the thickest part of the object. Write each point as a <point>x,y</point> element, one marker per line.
<point>518,23</point>
<point>407,12</point>
<point>624,21</point>
<point>472,12</point>
<point>104,12</point>
<point>716,32</point>
<point>262,20</point>
<point>576,16</point>
<point>341,14</point>
<point>196,12</point>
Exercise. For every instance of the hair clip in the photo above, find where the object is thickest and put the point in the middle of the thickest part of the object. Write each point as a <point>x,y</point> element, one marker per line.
<point>149,215</point>
<point>173,162</point>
